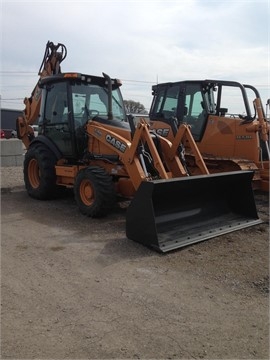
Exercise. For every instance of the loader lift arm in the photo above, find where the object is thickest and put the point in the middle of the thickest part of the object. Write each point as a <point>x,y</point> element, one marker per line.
<point>129,156</point>
<point>53,56</point>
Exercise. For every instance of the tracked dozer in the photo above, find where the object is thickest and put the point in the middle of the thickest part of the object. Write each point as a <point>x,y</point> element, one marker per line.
<point>227,120</point>
<point>85,142</point>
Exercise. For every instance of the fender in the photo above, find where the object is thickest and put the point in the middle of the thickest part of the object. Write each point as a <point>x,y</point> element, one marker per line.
<point>46,141</point>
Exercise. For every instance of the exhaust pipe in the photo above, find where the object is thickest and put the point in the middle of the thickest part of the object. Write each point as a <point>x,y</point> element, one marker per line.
<point>110,112</point>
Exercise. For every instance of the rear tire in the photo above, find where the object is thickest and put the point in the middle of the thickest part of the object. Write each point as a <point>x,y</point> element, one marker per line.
<point>39,172</point>
<point>94,192</point>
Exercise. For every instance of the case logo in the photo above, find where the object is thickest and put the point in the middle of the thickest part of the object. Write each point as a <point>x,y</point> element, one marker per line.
<point>162,132</point>
<point>116,143</point>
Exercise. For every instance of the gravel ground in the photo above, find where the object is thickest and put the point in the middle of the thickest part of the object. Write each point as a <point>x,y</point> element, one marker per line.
<point>77,288</point>
<point>12,177</point>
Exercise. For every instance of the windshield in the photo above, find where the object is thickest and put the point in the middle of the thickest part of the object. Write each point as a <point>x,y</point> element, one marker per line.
<point>92,101</point>
<point>165,103</point>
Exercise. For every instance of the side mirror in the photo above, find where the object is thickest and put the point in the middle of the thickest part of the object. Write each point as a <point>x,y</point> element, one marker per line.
<point>222,111</point>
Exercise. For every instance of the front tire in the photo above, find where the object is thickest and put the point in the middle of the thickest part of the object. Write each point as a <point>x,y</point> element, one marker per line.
<point>39,172</point>
<point>94,192</point>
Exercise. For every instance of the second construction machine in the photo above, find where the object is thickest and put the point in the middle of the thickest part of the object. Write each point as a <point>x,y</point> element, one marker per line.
<point>229,134</point>
<point>84,142</point>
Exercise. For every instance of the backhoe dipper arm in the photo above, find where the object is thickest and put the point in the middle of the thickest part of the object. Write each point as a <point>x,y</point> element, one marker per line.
<point>53,56</point>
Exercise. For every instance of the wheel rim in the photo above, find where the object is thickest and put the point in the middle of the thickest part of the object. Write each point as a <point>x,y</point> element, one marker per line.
<point>87,192</point>
<point>34,173</point>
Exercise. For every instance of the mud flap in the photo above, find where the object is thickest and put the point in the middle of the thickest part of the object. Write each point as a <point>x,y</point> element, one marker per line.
<point>169,214</point>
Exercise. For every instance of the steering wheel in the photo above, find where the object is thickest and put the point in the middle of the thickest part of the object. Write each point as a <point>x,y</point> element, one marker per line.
<point>93,113</point>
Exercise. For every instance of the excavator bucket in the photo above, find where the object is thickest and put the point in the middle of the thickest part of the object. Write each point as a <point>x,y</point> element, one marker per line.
<point>169,214</point>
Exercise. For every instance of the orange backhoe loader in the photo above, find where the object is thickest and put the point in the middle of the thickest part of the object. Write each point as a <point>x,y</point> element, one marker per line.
<point>228,139</point>
<point>84,142</point>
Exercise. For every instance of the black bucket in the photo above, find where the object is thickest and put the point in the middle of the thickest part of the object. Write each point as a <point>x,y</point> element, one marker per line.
<point>169,214</point>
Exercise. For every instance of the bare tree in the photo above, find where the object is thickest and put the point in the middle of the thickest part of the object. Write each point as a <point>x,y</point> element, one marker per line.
<point>133,107</point>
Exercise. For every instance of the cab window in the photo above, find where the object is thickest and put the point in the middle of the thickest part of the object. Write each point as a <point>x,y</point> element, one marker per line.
<point>166,103</point>
<point>56,104</point>
<point>232,103</point>
<point>91,101</point>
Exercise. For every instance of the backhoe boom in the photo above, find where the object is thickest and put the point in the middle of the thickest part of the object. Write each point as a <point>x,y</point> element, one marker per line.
<point>53,56</point>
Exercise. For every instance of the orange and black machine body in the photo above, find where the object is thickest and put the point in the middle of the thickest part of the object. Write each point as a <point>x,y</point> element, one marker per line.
<point>226,119</point>
<point>85,142</point>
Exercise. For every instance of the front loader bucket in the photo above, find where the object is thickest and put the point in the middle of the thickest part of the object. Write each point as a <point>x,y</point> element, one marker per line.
<point>169,214</point>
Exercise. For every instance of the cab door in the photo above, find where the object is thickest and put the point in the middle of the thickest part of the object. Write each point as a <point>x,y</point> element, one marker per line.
<point>56,120</point>
<point>192,108</point>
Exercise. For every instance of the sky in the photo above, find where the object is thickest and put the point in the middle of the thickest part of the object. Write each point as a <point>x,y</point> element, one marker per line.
<point>140,42</point>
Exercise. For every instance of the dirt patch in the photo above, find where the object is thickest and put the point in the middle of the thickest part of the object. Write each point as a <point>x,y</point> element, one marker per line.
<point>77,288</point>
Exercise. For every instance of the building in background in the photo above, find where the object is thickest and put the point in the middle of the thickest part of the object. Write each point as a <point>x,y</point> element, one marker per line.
<point>8,118</point>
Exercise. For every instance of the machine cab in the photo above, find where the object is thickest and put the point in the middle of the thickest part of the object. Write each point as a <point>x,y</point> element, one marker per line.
<point>180,102</point>
<point>69,101</point>
<point>217,111</point>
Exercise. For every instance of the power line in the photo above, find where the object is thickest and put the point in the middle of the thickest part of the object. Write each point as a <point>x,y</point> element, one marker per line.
<point>140,81</point>
<point>13,72</point>
<point>5,99</point>
<point>8,72</point>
